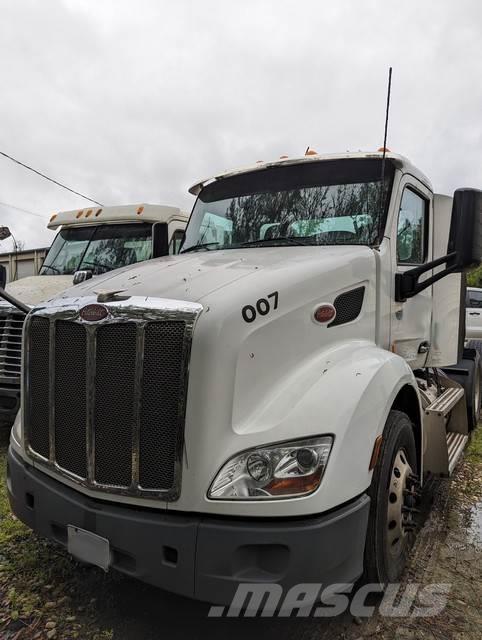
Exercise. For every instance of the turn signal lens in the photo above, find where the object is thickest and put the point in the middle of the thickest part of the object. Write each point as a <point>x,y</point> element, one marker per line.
<point>324,313</point>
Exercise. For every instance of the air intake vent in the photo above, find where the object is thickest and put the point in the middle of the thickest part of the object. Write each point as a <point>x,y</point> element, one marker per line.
<point>348,306</point>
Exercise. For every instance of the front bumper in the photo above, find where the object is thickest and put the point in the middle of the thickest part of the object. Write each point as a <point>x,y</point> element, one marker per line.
<point>196,556</point>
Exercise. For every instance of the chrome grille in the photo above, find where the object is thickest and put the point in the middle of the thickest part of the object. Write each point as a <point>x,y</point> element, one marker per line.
<point>11,325</point>
<point>105,401</point>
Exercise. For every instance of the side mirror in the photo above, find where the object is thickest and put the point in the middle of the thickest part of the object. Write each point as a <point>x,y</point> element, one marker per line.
<point>5,233</point>
<point>3,276</point>
<point>465,237</point>
<point>82,276</point>
<point>464,247</point>
<point>160,239</point>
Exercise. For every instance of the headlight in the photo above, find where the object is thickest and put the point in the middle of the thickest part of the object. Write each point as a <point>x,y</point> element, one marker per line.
<point>284,470</point>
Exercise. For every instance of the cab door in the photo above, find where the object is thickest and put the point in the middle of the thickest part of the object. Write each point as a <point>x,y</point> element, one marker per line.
<point>412,247</point>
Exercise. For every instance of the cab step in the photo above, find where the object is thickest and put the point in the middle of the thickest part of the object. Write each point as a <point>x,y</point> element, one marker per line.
<point>445,402</point>
<point>455,445</point>
<point>446,430</point>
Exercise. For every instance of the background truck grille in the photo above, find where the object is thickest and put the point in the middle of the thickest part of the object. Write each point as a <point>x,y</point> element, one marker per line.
<point>11,325</point>
<point>105,402</point>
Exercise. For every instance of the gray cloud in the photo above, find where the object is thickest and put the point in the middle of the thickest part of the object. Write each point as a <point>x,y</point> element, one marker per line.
<point>133,101</point>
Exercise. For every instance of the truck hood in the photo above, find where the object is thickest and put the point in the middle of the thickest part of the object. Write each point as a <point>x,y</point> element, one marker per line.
<point>35,289</point>
<point>195,276</point>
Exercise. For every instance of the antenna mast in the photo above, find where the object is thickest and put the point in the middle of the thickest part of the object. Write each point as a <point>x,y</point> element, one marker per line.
<point>386,123</point>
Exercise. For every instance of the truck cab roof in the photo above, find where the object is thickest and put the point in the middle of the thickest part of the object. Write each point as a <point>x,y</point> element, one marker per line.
<point>124,213</point>
<point>399,161</point>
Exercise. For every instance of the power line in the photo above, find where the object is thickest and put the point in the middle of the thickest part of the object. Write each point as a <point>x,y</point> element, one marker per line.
<point>39,173</point>
<point>32,213</point>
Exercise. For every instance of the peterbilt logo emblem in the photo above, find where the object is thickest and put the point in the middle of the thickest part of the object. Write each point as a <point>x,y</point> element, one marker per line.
<point>93,313</point>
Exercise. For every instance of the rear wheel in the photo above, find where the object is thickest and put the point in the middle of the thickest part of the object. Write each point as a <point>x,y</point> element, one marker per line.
<point>394,493</point>
<point>474,409</point>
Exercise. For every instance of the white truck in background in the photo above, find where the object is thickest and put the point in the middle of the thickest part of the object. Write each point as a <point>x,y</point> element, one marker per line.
<point>264,407</point>
<point>473,314</point>
<point>89,242</point>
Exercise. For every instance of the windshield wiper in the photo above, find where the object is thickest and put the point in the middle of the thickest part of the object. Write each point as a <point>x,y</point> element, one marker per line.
<point>280,240</point>
<point>49,266</point>
<point>95,264</point>
<point>196,247</point>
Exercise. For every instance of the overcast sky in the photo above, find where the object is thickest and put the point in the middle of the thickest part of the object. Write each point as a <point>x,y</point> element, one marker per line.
<point>133,100</point>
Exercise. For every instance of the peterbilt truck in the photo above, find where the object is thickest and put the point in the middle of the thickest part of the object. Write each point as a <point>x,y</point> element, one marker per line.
<point>266,406</point>
<point>89,242</point>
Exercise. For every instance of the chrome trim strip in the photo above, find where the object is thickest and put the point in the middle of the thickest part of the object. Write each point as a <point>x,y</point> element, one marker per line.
<point>136,309</point>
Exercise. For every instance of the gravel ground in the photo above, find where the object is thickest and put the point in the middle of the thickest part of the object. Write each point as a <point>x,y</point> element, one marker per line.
<point>46,594</point>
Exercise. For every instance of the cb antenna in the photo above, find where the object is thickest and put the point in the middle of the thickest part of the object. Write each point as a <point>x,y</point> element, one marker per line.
<point>386,123</point>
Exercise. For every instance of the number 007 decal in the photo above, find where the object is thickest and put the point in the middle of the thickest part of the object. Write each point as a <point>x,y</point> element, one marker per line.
<point>263,307</point>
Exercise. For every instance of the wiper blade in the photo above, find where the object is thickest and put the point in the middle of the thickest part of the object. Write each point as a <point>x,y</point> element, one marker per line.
<point>95,264</point>
<point>197,247</point>
<point>49,266</point>
<point>280,240</point>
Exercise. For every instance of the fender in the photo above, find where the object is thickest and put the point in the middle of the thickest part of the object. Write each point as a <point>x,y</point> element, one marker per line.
<point>346,391</point>
<point>374,377</point>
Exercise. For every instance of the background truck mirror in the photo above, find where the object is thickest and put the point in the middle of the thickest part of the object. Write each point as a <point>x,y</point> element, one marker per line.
<point>82,276</point>
<point>3,276</point>
<point>160,239</point>
<point>5,233</point>
<point>465,237</point>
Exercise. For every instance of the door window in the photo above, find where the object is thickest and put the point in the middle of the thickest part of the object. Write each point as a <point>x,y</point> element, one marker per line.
<point>412,229</point>
<point>176,241</point>
<point>474,299</point>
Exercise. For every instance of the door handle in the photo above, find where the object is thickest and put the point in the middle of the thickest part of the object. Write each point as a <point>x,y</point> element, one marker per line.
<point>424,347</point>
<point>474,313</point>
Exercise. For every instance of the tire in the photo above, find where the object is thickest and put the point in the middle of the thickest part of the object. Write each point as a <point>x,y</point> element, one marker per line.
<point>477,345</point>
<point>388,545</point>
<point>472,388</point>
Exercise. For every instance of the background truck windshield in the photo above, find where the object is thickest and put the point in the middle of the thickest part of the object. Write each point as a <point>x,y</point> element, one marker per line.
<point>330,202</point>
<point>98,248</point>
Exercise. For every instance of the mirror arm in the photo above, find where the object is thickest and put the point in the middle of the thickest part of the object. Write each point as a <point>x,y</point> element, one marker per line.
<point>24,308</point>
<point>407,285</point>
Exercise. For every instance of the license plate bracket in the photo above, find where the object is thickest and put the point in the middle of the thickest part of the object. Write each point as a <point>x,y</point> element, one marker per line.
<point>88,547</point>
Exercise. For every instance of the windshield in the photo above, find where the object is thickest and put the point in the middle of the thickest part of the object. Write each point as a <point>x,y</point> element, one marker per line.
<point>325,203</point>
<point>98,248</point>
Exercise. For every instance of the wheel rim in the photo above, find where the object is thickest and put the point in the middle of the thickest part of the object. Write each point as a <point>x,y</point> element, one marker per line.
<point>402,497</point>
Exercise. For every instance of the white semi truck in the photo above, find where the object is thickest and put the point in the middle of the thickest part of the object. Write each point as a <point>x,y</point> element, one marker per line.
<point>265,406</point>
<point>89,242</point>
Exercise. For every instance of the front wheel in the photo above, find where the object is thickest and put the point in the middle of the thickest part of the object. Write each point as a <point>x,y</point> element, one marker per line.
<point>394,493</point>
